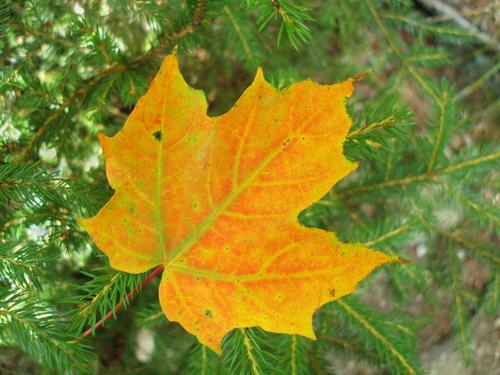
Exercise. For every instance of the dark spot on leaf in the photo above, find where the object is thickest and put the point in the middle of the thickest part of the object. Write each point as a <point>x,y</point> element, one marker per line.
<point>157,135</point>
<point>332,292</point>
<point>209,314</point>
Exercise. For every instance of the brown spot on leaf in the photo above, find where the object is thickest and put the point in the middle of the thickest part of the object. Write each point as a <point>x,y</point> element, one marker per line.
<point>157,135</point>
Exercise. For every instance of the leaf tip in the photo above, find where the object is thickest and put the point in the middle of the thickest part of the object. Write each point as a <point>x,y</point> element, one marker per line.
<point>170,63</point>
<point>82,222</point>
<point>360,76</point>
<point>309,332</point>
<point>400,260</point>
<point>102,138</point>
<point>259,75</point>
<point>103,142</point>
<point>217,349</point>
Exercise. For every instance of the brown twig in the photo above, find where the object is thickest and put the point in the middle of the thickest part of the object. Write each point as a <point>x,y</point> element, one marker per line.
<point>111,313</point>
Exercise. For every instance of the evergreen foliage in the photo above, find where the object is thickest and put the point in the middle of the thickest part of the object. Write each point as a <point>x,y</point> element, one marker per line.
<point>71,69</point>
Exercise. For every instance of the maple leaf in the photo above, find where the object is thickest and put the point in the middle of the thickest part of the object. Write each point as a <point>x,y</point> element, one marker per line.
<point>215,200</point>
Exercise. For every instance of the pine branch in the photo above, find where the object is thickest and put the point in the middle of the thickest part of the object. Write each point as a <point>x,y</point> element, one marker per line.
<point>481,211</point>
<point>250,351</point>
<point>444,113</point>
<point>246,351</point>
<point>450,12</point>
<point>440,30</point>
<point>319,366</point>
<point>78,94</point>
<point>151,316</point>
<point>23,266</point>
<point>347,346</point>
<point>392,348</point>
<point>442,101</point>
<point>372,127</point>
<point>293,17</point>
<point>169,41</point>
<point>418,77</point>
<point>460,315</point>
<point>5,15</point>
<point>343,193</point>
<point>474,86</point>
<point>491,300</point>
<point>387,236</point>
<point>26,184</point>
<point>475,247</point>
<point>166,42</point>
<point>377,127</point>
<point>37,329</point>
<point>237,29</point>
<point>158,270</point>
<point>295,355</point>
<point>202,361</point>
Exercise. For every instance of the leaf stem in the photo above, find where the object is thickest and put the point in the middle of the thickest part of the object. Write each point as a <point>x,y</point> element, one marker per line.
<point>118,306</point>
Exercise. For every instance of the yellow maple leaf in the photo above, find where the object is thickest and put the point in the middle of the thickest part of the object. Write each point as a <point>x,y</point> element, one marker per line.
<point>215,200</point>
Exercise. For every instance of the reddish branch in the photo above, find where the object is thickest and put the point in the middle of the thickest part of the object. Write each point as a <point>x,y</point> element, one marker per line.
<point>108,316</point>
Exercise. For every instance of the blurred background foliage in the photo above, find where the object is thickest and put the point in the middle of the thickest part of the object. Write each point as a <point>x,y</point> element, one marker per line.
<point>425,131</point>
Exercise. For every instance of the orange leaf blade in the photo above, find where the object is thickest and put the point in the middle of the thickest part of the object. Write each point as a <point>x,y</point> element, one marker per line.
<point>216,199</point>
